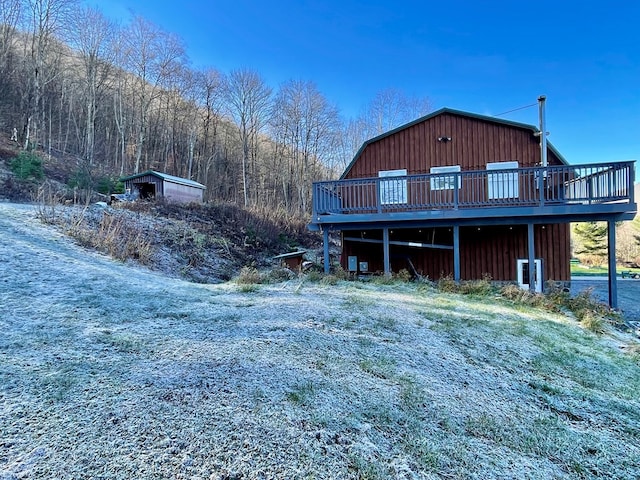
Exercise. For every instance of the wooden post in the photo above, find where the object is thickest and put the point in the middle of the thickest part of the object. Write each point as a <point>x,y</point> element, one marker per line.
<point>385,249</point>
<point>613,286</point>
<point>325,244</point>
<point>532,258</point>
<point>456,253</point>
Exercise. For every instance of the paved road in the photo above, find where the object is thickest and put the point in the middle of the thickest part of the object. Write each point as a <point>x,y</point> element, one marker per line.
<point>628,293</point>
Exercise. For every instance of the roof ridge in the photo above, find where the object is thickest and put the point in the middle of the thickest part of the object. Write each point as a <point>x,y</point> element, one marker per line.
<point>452,111</point>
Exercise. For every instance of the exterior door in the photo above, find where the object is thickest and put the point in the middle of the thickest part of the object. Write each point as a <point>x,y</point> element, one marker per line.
<point>523,274</point>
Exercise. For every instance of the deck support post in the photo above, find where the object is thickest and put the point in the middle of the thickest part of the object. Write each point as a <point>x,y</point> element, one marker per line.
<point>531,258</point>
<point>613,286</point>
<point>456,253</point>
<point>325,245</point>
<point>385,251</point>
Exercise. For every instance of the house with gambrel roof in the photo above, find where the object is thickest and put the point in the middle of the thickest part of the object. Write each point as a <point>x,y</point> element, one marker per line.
<point>464,195</point>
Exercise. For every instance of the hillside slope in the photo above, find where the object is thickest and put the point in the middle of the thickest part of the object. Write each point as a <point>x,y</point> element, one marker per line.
<point>203,243</point>
<point>113,371</point>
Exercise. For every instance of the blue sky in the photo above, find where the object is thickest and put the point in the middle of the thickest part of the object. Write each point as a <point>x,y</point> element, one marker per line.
<point>482,57</point>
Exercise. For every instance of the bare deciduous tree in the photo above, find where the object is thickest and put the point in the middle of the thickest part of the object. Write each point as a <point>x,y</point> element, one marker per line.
<point>210,84</point>
<point>121,100</point>
<point>47,18</point>
<point>153,56</point>
<point>92,36</point>
<point>10,17</point>
<point>248,101</point>
<point>305,126</point>
<point>391,108</point>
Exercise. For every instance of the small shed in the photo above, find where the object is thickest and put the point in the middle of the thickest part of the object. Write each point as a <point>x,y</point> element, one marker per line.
<point>151,184</point>
<point>291,260</point>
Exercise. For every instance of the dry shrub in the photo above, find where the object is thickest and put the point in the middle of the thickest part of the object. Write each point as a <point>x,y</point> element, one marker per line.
<point>332,278</point>
<point>249,276</point>
<point>280,274</point>
<point>592,314</point>
<point>584,304</point>
<point>477,287</point>
<point>511,291</point>
<point>592,321</point>
<point>447,284</point>
<point>329,279</point>
<point>383,279</point>
<point>270,230</point>
<point>187,241</point>
<point>341,273</point>
<point>115,238</point>
<point>314,276</point>
<point>632,349</point>
<point>337,274</point>
<point>521,296</point>
<point>48,199</point>
<point>403,275</point>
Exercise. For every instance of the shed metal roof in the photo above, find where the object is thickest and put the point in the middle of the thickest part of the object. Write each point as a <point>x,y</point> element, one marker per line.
<point>168,178</point>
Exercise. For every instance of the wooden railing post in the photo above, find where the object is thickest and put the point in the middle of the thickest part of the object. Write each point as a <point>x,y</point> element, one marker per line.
<point>542,191</point>
<point>325,248</point>
<point>611,253</point>
<point>456,191</point>
<point>630,178</point>
<point>456,253</point>
<point>315,199</point>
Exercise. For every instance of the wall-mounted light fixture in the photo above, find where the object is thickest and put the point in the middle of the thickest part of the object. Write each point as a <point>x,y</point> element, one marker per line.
<point>444,139</point>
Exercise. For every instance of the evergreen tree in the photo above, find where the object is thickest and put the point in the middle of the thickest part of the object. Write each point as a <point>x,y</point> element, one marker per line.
<point>593,237</point>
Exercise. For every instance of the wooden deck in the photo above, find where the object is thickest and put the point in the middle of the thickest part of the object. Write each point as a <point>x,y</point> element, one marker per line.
<point>519,195</point>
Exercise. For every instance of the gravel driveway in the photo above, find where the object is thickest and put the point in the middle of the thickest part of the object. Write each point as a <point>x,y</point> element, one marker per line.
<point>628,293</point>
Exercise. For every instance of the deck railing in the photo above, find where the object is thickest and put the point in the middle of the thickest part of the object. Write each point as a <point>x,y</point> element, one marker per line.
<point>533,186</point>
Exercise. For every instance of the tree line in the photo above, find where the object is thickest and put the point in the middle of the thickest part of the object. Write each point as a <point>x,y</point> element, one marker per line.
<point>122,98</point>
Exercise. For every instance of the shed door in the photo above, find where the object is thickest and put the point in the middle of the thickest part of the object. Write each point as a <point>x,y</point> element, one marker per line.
<point>147,190</point>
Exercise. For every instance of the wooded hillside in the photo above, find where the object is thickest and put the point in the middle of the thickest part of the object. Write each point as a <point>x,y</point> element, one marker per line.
<point>120,99</point>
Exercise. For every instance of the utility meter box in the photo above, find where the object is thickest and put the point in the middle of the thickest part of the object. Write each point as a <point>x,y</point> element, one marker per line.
<point>364,266</point>
<point>353,263</point>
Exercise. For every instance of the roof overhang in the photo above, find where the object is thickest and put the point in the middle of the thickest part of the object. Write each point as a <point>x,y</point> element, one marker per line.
<point>166,177</point>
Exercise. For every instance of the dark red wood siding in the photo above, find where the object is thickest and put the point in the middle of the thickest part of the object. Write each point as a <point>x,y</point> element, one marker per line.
<point>490,250</point>
<point>474,143</point>
<point>484,250</point>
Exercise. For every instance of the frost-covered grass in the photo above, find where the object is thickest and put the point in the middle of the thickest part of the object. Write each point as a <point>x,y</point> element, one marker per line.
<point>112,371</point>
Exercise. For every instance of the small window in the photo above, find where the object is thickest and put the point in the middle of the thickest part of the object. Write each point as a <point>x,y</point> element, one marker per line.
<point>502,184</point>
<point>393,192</point>
<point>444,182</point>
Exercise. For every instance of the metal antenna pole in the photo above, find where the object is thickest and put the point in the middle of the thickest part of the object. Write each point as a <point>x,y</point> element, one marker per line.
<point>543,131</point>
